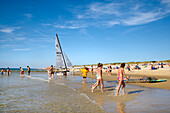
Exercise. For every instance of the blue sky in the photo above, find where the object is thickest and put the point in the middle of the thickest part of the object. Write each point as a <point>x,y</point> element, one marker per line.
<point>90,31</point>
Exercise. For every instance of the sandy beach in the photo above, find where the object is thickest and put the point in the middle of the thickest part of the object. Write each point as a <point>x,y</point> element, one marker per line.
<point>161,73</point>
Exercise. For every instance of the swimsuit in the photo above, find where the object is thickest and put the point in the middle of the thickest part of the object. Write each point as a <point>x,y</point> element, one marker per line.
<point>22,72</point>
<point>98,77</point>
<point>118,78</point>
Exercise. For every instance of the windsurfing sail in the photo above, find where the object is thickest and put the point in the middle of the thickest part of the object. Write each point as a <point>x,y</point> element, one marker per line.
<point>67,61</point>
<point>60,61</point>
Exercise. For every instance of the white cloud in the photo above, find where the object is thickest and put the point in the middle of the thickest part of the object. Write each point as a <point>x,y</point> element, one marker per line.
<point>42,34</point>
<point>46,24</point>
<point>3,40</point>
<point>112,23</point>
<point>105,8</point>
<point>96,10</point>
<point>28,15</point>
<point>9,29</point>
<point>66,27</point>
<point>142,18</point>
<point>27,49</point>
<point>126,13</point>
<point>20,38</point>
<point>165,1</point>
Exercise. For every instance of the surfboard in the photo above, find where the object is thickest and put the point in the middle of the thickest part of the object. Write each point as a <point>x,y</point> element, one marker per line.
<point>158,80</point>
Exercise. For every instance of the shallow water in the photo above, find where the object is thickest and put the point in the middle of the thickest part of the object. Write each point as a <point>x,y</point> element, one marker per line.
<point>68,94</point>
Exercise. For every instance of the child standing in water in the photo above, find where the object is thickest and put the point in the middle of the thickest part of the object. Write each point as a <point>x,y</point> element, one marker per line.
<point>2,71</point>
<point>84,71</point>
<point>99,78</point>
<point>120,76</point>
<point>22,71</point>
<point>8,71</point>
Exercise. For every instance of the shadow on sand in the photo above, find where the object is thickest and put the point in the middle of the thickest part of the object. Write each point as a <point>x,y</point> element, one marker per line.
<point>132,92</point>
<point>109,88</point>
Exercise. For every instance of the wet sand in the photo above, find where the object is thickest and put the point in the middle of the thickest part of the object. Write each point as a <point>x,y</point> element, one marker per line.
<point>136,100</point>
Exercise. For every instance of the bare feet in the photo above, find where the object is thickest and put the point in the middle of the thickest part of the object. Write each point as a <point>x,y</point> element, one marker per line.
<point>92,89</point>
<point>124,94</point>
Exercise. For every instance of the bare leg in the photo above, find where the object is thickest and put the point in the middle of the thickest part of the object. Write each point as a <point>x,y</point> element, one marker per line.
<point>98,85</point>
<point>53,76</point>
<point>84,80</point>
<point>92,75</point>
<point>94,86</point>
<point>101,82</point>
<point>120,83</point>
<point>49,76</point>
<point>124,88</point>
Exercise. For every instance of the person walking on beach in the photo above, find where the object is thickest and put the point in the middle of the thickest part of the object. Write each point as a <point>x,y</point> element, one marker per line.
<point>22,71</point>
<point>84,71</point>
<point>120,76</point>
<point>99,78</point>
<point>29,70</point>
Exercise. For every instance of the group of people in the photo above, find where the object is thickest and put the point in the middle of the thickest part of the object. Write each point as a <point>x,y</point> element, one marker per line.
<point>3,71</point>
<point>51,72</point>
<point>22,71</point>
<point>120,77</point>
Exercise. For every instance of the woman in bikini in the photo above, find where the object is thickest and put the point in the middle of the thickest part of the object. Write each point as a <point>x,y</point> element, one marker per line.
<point>120,76</point>
<point>99,78</point>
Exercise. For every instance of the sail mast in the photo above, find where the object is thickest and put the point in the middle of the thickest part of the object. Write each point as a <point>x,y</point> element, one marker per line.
<point>61,51</point>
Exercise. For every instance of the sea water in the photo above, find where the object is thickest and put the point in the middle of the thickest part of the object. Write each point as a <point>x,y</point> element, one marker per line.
<point>68,94</point>
<point>32,95</point>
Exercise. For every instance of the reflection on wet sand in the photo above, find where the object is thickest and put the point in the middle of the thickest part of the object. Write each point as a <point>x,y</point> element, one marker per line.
<point>121,107</point>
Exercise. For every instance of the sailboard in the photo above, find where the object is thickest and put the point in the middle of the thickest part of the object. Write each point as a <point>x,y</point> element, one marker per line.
<point>61,58</point>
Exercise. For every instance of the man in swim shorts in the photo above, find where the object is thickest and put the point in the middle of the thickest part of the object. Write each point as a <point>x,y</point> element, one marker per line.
<point>29,70</point>
<point>8,71</point>
<point>2,71</point>
<point>51,70</point>
<point>22,71</point>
